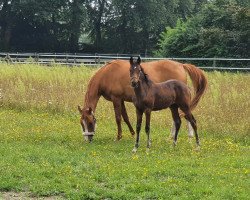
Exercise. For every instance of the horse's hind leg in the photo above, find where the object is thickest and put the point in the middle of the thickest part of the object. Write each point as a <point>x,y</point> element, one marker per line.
<point>190,131</point>
<point>126,119</point>
<point>192,121</point>
<point>177,121</point>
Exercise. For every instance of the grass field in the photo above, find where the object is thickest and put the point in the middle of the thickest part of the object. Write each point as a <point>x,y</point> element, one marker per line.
<point>42,152</point>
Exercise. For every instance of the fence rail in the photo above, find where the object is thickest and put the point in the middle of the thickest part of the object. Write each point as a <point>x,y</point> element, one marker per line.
<point>100,59</point>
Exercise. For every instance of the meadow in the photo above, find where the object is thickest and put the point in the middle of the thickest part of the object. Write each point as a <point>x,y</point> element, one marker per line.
<point>43,154</point>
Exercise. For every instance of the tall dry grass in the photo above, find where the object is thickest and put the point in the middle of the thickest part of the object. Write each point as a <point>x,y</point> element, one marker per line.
<point>224,111</point>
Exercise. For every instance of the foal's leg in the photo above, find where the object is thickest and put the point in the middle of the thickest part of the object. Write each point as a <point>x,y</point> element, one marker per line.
<point>138,129</point>
<point>177,121</point>
<point>126,119</point>
<point>147,128</point>
<point>192,121</point>
<point>117,107</point>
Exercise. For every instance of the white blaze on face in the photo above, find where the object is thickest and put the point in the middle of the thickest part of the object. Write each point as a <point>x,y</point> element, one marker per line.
<point>173,130</point>
<point>86,130</point>
<point>190,130</point>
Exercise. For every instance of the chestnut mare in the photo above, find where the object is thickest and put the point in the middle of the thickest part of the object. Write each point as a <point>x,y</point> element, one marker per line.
<point>150,96</point>
<point>113,83</point>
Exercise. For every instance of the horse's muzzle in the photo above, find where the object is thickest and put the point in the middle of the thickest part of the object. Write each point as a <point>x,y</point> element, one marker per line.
<point>88,138</point>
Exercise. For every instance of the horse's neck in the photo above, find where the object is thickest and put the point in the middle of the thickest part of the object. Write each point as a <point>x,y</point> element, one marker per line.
<point>91,97</point>
<point>142,90</point>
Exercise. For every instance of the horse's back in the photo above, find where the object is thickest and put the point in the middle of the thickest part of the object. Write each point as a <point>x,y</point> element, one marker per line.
<point>163,70</point>
<point>114,81</point>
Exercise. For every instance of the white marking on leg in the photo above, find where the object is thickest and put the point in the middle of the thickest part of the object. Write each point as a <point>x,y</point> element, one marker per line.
<point>134,150</point>
<point>173,130</point>
<point>190,130</point>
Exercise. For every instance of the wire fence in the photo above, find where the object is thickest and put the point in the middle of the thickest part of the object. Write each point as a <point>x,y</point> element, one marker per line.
<point>229,64</point>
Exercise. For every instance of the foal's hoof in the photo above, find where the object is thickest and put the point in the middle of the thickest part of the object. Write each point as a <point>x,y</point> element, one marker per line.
<point>147,151</point>
<point>198,148</point>
<point>174,143</point>
<point>133,134</point>
<point>190,139</point>
<point>134,150</point>
<point>118,138</point>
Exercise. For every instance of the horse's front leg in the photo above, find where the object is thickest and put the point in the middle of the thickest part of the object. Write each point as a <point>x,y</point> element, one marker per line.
<point>117,107</point>
<point>138,129</point>
<point>147,128</point>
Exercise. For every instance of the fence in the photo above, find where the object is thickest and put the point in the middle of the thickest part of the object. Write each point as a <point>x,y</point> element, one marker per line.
<point>233,64</point>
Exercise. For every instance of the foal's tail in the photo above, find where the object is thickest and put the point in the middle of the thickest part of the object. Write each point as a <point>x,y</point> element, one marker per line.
<point>199,81</point>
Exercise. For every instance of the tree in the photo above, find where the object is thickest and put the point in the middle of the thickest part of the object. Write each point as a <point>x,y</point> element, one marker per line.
<point>221,29</point>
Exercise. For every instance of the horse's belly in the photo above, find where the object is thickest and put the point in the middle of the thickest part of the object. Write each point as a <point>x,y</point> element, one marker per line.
<point>162,103</point>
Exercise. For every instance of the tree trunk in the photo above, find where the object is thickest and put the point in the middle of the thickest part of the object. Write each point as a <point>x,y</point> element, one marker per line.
<point>6,21</point>
<point>98,38</point>
<point>75,26</point>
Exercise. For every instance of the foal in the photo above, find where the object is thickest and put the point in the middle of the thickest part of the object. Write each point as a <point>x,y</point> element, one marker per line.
<point>150,96</point>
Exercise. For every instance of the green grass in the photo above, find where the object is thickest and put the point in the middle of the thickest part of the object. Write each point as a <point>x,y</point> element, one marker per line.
<point>42,150</point>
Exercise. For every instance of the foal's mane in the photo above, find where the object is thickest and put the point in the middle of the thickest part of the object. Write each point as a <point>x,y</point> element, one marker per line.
<point>146,78</point>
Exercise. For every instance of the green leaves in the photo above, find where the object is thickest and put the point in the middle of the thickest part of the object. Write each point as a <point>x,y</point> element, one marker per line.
<point>219,30</point>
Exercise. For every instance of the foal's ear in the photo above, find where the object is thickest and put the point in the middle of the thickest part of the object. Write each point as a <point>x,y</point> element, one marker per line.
<point>80,110</point>
<point>131,60</point>
<point>139,60</point>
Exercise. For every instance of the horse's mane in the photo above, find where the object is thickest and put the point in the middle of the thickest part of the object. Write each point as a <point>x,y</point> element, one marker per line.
<point>92,80</point>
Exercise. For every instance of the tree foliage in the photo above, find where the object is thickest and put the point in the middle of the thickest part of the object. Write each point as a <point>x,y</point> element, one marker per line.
<point>194,27</point>
<point>221,29</point>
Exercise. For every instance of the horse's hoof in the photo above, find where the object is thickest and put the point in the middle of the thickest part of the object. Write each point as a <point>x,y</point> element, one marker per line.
<point>147,151</point>
<point>174,143</point>
<point>170,138</point>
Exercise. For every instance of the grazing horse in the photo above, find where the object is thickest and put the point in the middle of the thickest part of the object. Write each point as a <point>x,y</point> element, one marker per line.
<point>113,83</point>
<point>150,96</point>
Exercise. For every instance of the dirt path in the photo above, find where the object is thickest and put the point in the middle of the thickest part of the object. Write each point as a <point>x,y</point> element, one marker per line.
<point>25,196</point>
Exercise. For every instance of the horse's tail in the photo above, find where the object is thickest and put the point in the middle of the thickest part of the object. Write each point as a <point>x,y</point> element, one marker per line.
<point>199,81</point>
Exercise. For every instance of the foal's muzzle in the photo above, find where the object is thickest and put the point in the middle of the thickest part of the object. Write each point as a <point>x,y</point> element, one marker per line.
<point>134,83</point>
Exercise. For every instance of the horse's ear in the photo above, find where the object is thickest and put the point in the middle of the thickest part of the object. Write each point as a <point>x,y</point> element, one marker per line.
<point>80,110</point>
<point>131,60</point>
<point>139,60</point>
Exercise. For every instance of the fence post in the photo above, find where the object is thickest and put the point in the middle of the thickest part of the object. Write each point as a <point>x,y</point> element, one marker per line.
<point>67,59</point>
<point>95,58</point>
<point>8,59</point>
<point>37,58</point>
